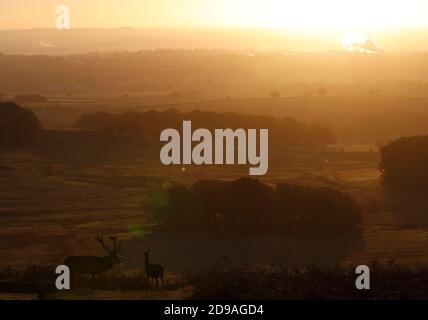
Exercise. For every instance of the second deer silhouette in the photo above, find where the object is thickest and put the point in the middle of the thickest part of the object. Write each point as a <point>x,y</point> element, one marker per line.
<point>154,272</point>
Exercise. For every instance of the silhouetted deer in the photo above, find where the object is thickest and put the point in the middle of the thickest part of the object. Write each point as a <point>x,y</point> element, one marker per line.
<point>153,271</point>
<point>96,265</point>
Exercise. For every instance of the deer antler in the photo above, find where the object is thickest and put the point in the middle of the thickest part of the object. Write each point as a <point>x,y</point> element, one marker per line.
<point>100,239</point>
<point>116,246</point>
<point>115,249</point>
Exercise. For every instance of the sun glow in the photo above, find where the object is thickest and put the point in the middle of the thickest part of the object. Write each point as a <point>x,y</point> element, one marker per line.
<point>358,42</point>
<point>314,15</point>
<point>303,15</point>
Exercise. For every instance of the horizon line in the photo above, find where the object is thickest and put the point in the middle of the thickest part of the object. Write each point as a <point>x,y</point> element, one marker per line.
<point>218,28</point>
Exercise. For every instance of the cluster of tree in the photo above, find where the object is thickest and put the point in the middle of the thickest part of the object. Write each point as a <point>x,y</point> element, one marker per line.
<point>404,164</point>
<point>30,98</point>
<point>286,131</point>
<point>248,205</point>
<point>18,126</point>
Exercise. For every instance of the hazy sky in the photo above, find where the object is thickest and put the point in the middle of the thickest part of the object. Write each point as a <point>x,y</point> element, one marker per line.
<point>337,15</point>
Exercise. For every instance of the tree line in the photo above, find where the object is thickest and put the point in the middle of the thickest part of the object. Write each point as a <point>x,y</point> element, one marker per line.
<point>285,131</point>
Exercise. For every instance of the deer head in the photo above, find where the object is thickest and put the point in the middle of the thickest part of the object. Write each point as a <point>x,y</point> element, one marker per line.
<point>113,250</point>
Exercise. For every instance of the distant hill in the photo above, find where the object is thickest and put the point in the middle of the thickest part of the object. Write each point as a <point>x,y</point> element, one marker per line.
<point>51,41</point>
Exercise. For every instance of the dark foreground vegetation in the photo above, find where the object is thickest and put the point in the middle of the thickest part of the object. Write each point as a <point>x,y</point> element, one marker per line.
<point>249,205</point>
<point>114,280</point>
<point>389,281</point>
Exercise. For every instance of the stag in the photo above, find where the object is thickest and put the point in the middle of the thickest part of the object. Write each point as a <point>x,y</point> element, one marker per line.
<point>154,272</point>
<point>96,265</point>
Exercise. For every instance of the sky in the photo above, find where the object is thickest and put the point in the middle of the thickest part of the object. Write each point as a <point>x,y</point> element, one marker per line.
<point>303,15</point>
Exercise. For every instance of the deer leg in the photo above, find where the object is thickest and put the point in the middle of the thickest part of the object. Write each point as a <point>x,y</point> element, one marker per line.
<point>157,283</point>
<point>150,283</point>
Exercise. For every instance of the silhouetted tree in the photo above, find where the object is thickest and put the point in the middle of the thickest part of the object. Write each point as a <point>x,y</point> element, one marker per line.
<point>404,163</point>
<point>248,205</point>
<point>18,126</point>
